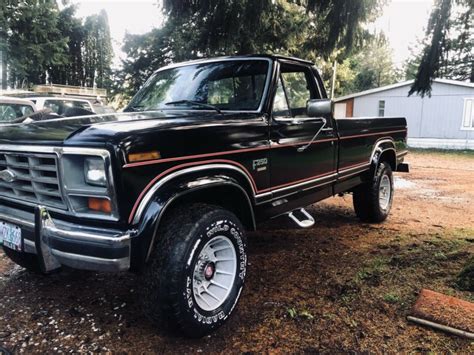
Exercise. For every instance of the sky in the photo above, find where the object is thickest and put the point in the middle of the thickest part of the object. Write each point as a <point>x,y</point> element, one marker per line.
<point>403,21</point>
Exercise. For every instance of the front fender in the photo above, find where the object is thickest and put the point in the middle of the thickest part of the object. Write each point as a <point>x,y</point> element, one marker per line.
<point>173,192</point>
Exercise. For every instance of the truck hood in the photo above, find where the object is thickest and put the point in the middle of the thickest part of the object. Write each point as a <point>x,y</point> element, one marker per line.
<point>97,130</point>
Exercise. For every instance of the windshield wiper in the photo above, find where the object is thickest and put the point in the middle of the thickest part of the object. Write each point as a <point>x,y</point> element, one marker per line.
<point>191,102</point>
<point>135,108</point>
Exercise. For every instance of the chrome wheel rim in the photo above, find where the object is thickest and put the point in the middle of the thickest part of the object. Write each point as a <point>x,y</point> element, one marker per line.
<point>385,191</point>
<point>214,273</point>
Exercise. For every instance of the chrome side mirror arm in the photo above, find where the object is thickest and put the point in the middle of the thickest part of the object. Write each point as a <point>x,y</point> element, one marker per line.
<point>306,146</point>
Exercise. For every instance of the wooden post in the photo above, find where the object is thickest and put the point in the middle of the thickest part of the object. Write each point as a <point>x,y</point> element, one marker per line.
<point>333,84</point>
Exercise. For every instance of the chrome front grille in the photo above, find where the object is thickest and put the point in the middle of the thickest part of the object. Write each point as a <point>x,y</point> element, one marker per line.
<point>31,178</point>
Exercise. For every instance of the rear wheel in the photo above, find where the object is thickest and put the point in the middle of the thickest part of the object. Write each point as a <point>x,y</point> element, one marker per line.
<point>26,260</point>
<point>197,270</point>
<point>373,200</point>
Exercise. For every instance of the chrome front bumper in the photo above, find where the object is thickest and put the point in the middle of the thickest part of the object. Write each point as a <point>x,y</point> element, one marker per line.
<point>58,243</point>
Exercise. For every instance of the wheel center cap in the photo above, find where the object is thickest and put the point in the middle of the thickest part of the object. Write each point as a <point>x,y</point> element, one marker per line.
<point>209,271</point>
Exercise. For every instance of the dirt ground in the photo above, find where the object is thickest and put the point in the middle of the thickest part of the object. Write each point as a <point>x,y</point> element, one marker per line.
<point>341,286</point>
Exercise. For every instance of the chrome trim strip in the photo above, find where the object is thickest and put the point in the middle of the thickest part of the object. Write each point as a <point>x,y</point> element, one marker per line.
<point>304,183</point>
<point>85,236</point>
<point>294,192</point>
<point>88,262</point>
<point>151,192</point>
<point>361,166</point>
<point>17,221</point>
<point>378,143</point>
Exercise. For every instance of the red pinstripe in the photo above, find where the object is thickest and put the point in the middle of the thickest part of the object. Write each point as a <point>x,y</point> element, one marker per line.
<point>244,150</point>
<point>177,167</point>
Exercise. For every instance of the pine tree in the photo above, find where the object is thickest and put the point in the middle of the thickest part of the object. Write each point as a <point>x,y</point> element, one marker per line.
<point>34,43</point>
<point>449,40</point>
<point>97,52</point>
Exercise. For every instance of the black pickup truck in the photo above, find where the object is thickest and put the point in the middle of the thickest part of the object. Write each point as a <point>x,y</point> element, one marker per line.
<point>205,151</point>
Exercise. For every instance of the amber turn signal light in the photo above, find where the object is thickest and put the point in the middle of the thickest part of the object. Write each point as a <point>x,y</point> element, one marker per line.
<point>135,157</point>
<point>99,205</point>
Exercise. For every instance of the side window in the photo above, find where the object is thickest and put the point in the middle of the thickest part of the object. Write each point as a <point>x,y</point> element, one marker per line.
<point>53,105</point>
<point>468,114</point>
<point>79,104</point>
<point>280,105</point>
<point>297,88</point>
<point>7,112</point>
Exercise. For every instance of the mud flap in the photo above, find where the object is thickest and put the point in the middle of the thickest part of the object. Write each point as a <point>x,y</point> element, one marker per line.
<point>46,259</point>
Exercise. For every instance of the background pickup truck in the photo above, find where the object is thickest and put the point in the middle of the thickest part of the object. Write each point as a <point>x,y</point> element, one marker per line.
<point>205,150</point>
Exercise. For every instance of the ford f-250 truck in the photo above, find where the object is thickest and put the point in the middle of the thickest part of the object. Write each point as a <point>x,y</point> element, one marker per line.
<point>204,151</point>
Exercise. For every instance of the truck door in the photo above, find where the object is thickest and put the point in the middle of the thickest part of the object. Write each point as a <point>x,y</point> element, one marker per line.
<point>294,170</point>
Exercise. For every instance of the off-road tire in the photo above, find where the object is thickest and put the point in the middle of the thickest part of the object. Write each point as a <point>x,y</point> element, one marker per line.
<point>366,199</point>
<point>167,292</point>
<point>26,260</point>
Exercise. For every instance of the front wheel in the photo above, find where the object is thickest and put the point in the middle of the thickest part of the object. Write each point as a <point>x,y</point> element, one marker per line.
<point>373,199</point>
<point>197,269</point>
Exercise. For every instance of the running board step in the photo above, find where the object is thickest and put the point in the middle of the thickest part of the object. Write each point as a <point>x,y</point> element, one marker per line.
<point>303,223</point>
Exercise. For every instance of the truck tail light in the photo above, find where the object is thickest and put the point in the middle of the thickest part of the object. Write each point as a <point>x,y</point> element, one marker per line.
<point>99,204</point>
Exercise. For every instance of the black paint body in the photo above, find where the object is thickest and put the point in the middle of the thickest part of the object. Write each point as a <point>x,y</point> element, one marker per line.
<point>270,177</point>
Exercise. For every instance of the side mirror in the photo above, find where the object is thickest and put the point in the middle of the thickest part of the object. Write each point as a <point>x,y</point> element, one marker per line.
<point>319,107</point>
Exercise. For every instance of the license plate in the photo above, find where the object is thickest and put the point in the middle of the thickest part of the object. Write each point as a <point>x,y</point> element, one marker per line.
<point>10,236</point>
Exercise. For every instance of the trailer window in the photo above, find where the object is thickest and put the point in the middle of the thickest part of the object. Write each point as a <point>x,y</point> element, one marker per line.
<point>468,114</point>
<point>382,108</point>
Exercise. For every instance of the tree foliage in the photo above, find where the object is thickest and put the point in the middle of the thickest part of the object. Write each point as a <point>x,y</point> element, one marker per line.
<point>294,27</point>
<point>46,44</point>
<point>315,30</point>
<point>448,46</point>
<point>369,67</point>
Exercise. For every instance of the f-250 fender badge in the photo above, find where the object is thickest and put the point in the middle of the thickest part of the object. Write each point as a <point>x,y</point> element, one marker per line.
<point>260,164</point>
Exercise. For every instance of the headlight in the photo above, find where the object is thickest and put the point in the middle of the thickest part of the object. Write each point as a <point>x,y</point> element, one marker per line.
<point>94,172</point>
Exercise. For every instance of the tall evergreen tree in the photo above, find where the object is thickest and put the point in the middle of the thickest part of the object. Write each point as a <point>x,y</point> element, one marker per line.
<point>44,44</point>
<point>449,45</point>
<point>34,43</point>
<point>71,72</point>
<point>98,52</point>
<point>212,27</point>
<point>203,28</point>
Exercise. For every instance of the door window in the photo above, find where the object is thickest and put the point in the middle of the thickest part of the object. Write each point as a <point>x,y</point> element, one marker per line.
<point>295,89</point>
<point>280,104</point>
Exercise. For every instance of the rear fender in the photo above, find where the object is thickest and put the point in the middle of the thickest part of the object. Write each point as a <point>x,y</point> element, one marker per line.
<point>384,150</point>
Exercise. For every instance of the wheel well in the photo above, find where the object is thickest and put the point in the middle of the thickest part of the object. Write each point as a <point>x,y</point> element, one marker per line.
<point>390,157</point>
<point>229,197</point>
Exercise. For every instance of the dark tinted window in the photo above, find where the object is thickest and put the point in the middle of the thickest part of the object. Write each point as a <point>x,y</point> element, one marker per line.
<point>60,106</point>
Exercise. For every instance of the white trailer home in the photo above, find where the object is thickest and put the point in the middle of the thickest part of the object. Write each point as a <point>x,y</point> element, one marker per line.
<point>445,120</point>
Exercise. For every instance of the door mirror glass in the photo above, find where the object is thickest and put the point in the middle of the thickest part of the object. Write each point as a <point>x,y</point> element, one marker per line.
<point>319,108</point>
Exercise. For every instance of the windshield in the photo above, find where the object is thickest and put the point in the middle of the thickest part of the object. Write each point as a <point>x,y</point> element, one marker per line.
<point>9,112</point>
<point>236,85</point>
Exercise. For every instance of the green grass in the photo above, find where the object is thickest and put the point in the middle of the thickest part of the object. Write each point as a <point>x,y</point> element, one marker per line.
<point>391,298</point>
<point>374,269</point>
